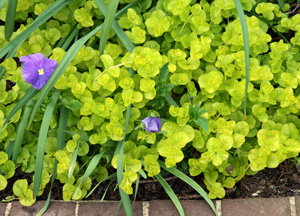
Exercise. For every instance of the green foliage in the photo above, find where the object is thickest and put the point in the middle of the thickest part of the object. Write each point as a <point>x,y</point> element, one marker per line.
<point>22,191</point>
<point>188,67</point>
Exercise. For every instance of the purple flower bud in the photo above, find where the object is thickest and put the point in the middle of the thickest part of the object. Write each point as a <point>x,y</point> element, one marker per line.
<point>37,69</point>
<point>152,124</point>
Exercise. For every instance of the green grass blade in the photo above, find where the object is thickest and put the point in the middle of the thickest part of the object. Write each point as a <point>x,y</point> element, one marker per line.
<point>21,130</point>
<point>41,19</point>
<point>29,95</point>
<point>91,167</point>
<point>118,209</point>
<point>111,11</point>
<point>64,43</point>
<point>2,4</point>
<point>42,142</point>
<point>190,182</point>
<point>242,17</point>
<point>73,161</point>
<point>46,205</point>
<point>62,125</point>
<point>70,38</point>
<point>124,197</point>
<point>114,176</point>
<point>10,18</point>
<point>142,173</point>
<point>129,46</point>
<point>63,118</point>
<point>171,194</point>
<point>170,100</point>
<point>104,194</point>
<point>116,27</point>
<point>137,183</point>
<point>9,149</point>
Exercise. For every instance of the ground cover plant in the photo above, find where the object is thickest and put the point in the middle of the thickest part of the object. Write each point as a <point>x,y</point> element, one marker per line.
<point>128,90</point>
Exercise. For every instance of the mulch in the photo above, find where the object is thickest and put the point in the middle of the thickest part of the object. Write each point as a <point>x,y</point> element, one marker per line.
<point>283,181</point>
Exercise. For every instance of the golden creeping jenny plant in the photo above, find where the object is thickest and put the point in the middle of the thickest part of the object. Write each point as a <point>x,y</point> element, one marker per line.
<point>178,61</point>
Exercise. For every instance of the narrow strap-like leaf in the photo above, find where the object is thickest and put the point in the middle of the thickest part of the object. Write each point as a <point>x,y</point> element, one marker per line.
<point>170,99</point>
<point>70,38</point>
<point>124,196</point>
<point>190,182</point>
<point>91,167</point>
<point>73,160</point>
<point>42,142</point>
<point>21,130</point>
<point>112,8</point>
<point>2,4</point>
<point>137,183</point>
<point>10,18</point>
<point>116,27</point>
<point>242,17</point>
<point>114,176</point>
<point>170,193</point>
<point>62,124</point>
<point>109,184</point>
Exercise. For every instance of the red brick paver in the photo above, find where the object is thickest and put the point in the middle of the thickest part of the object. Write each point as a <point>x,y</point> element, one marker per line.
<point>2,208</point>
<point>237,207</point>
<point>257,207</point>
<point>56,208</point>
<point>107,209</point>
<point>190,207</point>
<point>297,204</point>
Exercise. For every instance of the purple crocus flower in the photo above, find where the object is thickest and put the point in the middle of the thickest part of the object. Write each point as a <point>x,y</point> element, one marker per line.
<point>152,124</point>
<point>37,69</point>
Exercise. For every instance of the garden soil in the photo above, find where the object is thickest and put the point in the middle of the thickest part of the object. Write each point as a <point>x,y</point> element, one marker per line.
<point>283,181</point>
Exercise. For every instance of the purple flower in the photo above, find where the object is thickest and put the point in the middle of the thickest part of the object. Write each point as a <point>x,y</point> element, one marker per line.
<point>37,69</point>
<point>152,124</point>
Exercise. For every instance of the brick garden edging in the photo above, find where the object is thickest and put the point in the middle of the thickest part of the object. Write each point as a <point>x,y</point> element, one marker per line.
<point>285,206</point>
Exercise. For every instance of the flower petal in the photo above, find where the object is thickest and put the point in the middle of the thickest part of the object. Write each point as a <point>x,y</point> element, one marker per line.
<point>29,72</point>
<point>31,66</point>
<point>39,82</point>
<point>49,63</point>
<point>152,124</point>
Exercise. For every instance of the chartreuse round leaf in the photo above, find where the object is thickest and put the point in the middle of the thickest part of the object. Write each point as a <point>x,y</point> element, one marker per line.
<point>27,198</point>
<point>211,81</point>
<point>151,165</point>
<point>216,150</point>
<point>3,182</point>
<point>258,158</point>
<point>269,139</point>
<point>128,179</point>
<point>20,189</point>
<point>3,157</point>
<point>84,17</point>
<point>216,191</point>
<point>8,168</point>
<point>172,153</point>
<point>170,128</point>
<point>177,6</point>
<point>196,167</point>
<point>158,16</point>
<point>132,165</point>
